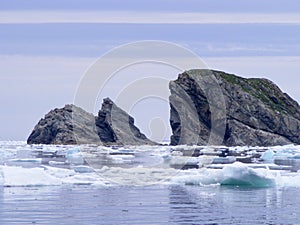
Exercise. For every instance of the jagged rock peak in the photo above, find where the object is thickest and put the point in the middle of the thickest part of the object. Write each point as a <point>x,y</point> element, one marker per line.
<point>115,125</point>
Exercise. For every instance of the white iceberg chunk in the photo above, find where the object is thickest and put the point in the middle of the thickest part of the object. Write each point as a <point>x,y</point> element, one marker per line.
<point>268,156</point>
<point>239,174</point>
<point>74,156</point>
<point>19,176</point>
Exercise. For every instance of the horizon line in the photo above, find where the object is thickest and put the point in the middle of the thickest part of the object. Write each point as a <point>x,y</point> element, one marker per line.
<point>133,17</point>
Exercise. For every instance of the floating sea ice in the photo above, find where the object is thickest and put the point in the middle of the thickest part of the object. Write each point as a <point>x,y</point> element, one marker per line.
<point>239,149</point>
<point>177,153</point>
<point>205,160</point>
<point>184,160</point>
<point>236,174</point>
<point>289,180</point>
<point>121,158</point>
<point>126,151</point>
<point>137,176</point>
<point>72,177</point>
<point>19,176</point>
<point>268,156</point>
<point>54,163</point>
<point>239,174</point>
<point>74,156</point>
<point>296,156</point>
<point>198,177</point>
<point>83,169</point>
<point>223,160</point>
<point>29,160</point>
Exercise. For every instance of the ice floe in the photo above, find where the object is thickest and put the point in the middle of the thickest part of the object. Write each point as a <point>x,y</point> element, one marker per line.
<point>43,165</point>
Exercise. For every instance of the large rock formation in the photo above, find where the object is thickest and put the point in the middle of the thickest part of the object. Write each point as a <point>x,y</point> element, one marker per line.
<point>73,125</point>
<point>240,111</point>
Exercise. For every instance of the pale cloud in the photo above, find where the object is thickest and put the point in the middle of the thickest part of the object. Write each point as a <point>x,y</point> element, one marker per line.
<point>146,17</point>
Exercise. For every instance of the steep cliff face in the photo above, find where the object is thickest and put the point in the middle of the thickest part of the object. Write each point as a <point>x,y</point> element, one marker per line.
<point>115,125</point>
<point>73,125</point>
<point>255,112</point>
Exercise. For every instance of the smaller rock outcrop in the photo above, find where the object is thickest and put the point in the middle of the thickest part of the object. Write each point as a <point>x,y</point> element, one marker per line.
<point>60,125</point>
<point>73,125</point>
<point>114,125</point>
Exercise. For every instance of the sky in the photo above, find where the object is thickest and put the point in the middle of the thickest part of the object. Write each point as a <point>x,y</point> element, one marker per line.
<point>46,48</point>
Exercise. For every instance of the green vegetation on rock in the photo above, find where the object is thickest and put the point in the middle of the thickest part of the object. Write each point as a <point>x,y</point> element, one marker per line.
<point>263,89</point>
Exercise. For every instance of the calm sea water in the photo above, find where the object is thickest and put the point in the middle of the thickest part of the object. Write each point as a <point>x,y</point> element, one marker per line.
<point>173,204</point>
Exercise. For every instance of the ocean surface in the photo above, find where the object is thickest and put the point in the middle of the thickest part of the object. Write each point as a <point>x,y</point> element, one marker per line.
<point>42,184</point>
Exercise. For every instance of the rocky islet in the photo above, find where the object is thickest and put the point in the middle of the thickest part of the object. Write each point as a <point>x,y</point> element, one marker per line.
<point>73,125</point>
<point>257,112</point>
<point>252,112</point>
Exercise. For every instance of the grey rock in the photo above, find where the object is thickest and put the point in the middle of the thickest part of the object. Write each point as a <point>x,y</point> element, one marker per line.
<point>213,107</point>
<point>73,125</point>
<point>60,126</point>
<point>115,125</point>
